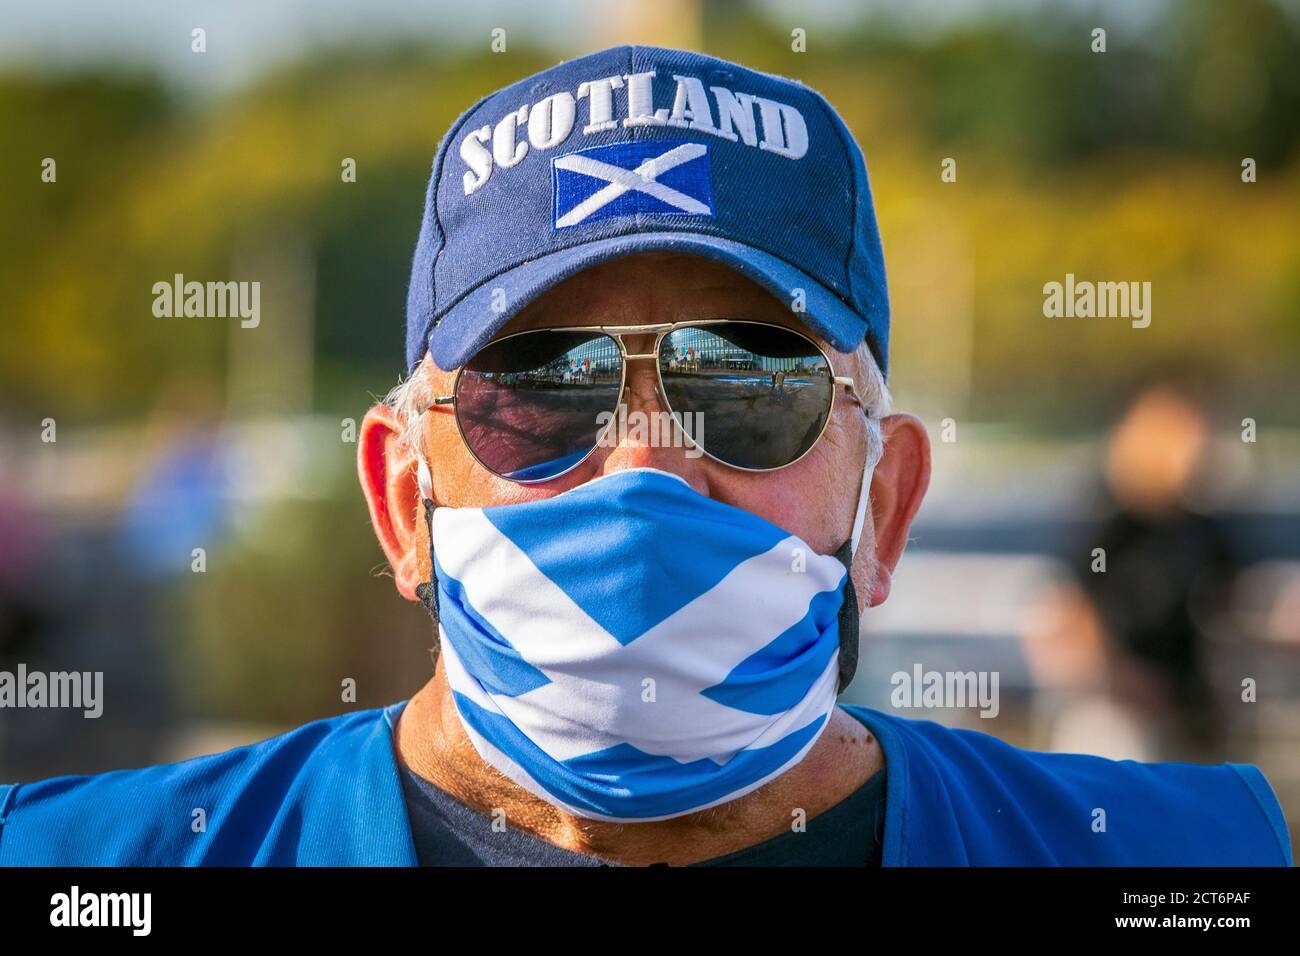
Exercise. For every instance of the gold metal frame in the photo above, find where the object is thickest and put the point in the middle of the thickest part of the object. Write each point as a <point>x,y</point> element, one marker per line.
<point>662,329</point>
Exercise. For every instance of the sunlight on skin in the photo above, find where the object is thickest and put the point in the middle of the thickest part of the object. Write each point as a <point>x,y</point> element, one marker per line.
<point>813,498</point>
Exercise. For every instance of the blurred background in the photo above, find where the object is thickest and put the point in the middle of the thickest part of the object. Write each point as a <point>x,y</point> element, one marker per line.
<point>128,440</point>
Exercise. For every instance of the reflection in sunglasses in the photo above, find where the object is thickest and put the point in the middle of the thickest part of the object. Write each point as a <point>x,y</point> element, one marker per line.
<point>526,421</point>
<point>532,405</point>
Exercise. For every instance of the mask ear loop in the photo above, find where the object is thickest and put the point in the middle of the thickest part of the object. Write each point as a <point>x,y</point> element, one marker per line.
<point>849,618</point>
<point>864,498</point>
<point>427,591</point>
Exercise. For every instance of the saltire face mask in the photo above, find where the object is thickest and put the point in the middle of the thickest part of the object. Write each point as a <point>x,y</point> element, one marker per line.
<point>633,650</point>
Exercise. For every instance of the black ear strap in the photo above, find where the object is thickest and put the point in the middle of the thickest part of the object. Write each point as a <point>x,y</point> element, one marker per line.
<point>427,591</point>
<point>849,620</point>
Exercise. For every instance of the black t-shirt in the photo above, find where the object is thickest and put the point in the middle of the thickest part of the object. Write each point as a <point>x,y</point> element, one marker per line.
<point>450,833</point>
<point>1160,569</point>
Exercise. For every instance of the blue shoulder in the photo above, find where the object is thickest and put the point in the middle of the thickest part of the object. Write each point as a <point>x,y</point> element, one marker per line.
<point>253,804</point>
<point>965,797</point>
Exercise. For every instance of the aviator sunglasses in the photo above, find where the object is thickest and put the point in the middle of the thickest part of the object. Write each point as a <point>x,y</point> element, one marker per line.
<point>534,405</point>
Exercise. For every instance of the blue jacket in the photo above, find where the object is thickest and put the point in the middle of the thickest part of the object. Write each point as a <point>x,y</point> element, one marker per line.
<point>328,793</point>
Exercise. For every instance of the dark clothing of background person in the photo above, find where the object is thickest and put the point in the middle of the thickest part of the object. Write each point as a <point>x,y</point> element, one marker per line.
<point>1166,576</point>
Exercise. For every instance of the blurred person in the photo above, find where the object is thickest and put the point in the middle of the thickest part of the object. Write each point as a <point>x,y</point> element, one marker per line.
<point>1169,570</point>
<point>639,650</point>
<point>24,611</point>
<point>179,498</point>
<point>115,582</point>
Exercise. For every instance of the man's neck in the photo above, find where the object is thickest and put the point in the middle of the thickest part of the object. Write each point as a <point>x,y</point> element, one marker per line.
<point>432,742</point>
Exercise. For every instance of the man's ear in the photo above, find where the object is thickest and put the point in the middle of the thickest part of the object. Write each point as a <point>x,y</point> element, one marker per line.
<point>898,484</point>
<point>386,467</point>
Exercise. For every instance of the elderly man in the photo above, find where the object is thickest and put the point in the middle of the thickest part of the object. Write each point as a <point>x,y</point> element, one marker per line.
<point>645,561</point>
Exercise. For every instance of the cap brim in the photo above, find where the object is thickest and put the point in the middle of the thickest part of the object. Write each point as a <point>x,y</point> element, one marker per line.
<point>471,323</point>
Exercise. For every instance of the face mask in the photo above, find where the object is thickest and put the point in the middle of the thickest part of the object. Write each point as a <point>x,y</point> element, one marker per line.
<point>632,650</point>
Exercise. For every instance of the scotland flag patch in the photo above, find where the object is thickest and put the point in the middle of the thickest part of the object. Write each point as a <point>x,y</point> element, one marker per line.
<point>627,179</point>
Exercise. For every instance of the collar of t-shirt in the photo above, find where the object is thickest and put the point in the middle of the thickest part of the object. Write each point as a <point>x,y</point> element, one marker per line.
<point>447,832</point>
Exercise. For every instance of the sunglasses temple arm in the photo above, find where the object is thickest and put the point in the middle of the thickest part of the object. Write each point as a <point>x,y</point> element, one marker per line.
<point>849,384</point>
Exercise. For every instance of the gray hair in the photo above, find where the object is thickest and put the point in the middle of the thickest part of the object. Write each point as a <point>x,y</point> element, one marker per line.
<point>411,397</point>
<point>875,398</point>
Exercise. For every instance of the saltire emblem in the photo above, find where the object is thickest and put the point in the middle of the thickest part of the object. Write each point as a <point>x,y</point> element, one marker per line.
<point>547,663</point>
<point>626,179</point>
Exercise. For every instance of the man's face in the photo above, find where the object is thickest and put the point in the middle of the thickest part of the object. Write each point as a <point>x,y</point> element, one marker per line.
<point>814,498</point>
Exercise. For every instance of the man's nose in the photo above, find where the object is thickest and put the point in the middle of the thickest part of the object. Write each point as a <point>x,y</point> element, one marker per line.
<point>645,434</point>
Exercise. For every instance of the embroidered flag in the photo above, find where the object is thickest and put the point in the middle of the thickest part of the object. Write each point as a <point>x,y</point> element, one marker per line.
<point>625,179</point>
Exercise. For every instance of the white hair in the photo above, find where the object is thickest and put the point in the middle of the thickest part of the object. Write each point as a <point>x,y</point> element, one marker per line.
<point>411,397</point>
<point>876,400</point>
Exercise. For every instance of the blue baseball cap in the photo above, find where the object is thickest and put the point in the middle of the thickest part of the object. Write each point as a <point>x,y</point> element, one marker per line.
<point>639,149</point>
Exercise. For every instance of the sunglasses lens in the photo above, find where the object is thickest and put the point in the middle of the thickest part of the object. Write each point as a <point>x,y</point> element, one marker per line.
<point>751,395</point>
<point>530,406</point>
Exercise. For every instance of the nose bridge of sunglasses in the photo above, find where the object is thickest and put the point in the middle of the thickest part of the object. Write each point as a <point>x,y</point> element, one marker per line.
<point>640,379</point>
<point>639,345</point>
<point>641,388</point>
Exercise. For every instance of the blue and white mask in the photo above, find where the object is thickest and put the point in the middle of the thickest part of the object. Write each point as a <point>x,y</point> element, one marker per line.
<point>632,650</point>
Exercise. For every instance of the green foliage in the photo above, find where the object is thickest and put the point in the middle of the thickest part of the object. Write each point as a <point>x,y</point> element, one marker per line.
<point>1126,164</point>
